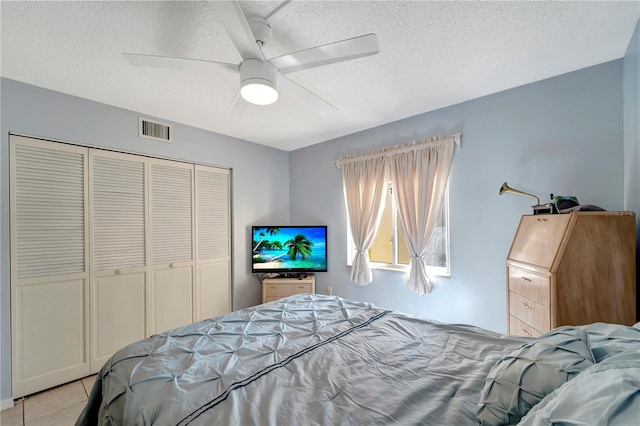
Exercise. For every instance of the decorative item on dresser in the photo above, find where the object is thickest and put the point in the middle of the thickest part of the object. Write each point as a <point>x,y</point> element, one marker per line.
<point>277,288</point>
<point>571,269</point>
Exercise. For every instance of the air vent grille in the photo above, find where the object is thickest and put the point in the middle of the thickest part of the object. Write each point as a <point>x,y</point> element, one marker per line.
<point>155,130</point>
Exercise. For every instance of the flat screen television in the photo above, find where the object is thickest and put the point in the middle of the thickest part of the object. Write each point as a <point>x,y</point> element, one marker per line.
<point>289,250</point>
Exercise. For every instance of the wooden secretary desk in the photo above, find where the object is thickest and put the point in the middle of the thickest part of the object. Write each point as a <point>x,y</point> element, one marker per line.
<point>571,269</point>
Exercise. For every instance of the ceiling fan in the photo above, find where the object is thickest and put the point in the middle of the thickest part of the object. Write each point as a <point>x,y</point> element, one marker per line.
<point>261,79</point>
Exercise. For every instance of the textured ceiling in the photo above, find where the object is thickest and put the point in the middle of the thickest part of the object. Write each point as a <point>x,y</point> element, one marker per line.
<point>432,54</point>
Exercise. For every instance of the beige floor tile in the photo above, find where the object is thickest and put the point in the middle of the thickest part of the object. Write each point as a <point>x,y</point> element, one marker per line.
<point>88,382</point>
<point>46,403</point>
<point>64,417</point>
<point>12,416</point>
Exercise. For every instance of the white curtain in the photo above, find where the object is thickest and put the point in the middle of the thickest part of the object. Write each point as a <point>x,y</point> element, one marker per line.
<point>419,174</point>
<point>365,183</point>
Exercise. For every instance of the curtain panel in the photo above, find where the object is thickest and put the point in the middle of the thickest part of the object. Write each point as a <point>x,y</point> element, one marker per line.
<point>419,172</point>
<point>364,184</point>
<point>419,176</point>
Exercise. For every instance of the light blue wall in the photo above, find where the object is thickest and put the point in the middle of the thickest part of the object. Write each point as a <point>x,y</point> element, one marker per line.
<point>260,175</point>
<point>631,106</point>
<point>562,135</point>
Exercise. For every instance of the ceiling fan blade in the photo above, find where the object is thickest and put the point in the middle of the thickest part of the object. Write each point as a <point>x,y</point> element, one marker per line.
<point>176,63</point>
<point>275,12</point>
<point>238,106</point>
<point>328,54</point>
<point>320,105</point>
<point>235,23</point>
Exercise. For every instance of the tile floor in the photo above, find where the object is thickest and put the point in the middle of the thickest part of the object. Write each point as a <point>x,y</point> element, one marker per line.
<point>57,406</point>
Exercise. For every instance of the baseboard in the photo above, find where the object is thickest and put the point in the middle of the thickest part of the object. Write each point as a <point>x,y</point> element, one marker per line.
<point>5,404</point>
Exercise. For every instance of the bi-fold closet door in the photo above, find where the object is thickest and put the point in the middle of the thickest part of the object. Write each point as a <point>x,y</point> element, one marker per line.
<point>49,264</point>
<point>172,244</point>
<point>118,215</point>
<point>108,248</point>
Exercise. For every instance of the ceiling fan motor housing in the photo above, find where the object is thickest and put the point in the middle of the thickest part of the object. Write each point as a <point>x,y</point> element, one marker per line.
<point>256,75</point>
<point>261,29</point>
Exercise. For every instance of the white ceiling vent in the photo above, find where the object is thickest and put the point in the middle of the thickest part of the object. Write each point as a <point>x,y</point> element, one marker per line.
<point>155,130</point>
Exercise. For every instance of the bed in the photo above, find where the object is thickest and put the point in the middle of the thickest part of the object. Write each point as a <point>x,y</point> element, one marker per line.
<point>315,359</point>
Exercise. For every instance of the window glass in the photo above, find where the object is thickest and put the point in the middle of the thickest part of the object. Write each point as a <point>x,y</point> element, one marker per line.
<point>381,250</point>
<point>389,249</point>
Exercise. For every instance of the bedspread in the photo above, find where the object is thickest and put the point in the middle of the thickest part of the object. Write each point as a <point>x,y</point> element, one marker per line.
<point>306,359</point>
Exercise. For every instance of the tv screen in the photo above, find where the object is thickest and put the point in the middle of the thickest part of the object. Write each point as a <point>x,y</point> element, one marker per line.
<point>282,249</point>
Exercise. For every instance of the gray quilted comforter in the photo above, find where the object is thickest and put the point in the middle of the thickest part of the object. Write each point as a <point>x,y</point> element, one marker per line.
<point>306,359</point>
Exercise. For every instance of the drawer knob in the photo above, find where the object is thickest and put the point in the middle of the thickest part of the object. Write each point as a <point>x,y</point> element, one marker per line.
<point>526,333</point>
<point>300,286</point>
<point>524,305</point>
<point>273,286</point>
<point>526,279</point>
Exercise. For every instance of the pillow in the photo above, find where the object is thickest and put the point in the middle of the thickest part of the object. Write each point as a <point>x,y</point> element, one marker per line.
<point>606,340</point>
<point>523,377</point>
<point>604,394</point>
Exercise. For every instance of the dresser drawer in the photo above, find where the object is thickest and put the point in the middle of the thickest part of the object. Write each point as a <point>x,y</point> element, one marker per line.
<point>519,328</point>
<point>529,312</point>
<point>531,286</point>
<point>283,290</point>
<point>277,288</point>
<point>271,298</point>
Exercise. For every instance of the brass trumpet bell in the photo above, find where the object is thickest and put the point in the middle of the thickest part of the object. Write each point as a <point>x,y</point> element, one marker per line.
<point>505,188</point>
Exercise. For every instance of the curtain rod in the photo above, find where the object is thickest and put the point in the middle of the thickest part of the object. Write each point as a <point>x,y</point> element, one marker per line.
<point>397,148</point>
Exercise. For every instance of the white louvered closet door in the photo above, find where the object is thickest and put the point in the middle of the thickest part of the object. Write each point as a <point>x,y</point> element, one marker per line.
<point>49,264</point>
<point>172,244</point>
<point>213,242</point>
<point>118,269</point>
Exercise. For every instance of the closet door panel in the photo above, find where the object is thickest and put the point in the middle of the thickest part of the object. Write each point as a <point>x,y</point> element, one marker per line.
<point>215,290</point>
<point>118,210</point>
<point>172,298</point>
<point>213,242</point>
<point>172,244</point>
<point>119,255</point>
<point>54,312</point>
<point>119,312</point>
<point>49,264</point>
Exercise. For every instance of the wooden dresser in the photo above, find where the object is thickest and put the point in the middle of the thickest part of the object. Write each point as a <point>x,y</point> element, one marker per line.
<point>277,288</point>
<point>571,269</point>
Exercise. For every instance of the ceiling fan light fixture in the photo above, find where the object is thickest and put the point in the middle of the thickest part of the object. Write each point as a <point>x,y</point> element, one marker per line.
<point>258,91</point>
<point>259,82</point>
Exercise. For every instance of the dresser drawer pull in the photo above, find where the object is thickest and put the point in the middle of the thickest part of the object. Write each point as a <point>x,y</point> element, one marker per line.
<point>300,286</point>
<point>526,333</point>
<point>524,305</point>
<point>273,286</point>
<point>541,219</point>
<point>526,279</point>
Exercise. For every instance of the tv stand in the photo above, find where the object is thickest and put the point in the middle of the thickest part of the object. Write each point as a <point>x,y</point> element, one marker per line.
<point>298,275</point>
<point>277,288</point>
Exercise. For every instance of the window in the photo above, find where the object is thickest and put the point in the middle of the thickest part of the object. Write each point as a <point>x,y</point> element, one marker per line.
<point>389,249</point>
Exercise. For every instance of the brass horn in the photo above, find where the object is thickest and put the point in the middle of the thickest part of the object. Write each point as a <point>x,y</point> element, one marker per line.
<point>505,188</point>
